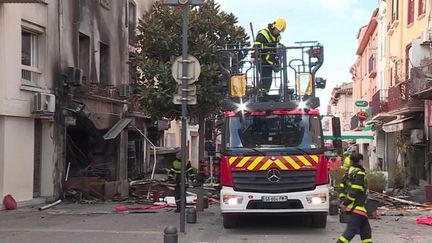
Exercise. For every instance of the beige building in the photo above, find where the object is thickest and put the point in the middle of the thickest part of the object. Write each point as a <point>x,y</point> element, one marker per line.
<point>64,95</point>
<point>27,56</point>
<point>342,104</point>
<point>172,139</point>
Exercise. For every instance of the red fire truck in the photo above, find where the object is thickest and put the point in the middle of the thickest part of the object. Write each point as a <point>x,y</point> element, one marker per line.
<point>273,158</point>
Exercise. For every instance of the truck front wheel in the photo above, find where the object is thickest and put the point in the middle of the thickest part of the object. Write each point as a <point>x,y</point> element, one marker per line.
<point>319,221</point>
<point>230,221</point>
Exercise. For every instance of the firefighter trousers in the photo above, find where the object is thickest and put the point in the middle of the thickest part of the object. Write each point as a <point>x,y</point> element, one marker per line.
<point>266,71</point>
<point>177,195</point>
<point>357,224</point>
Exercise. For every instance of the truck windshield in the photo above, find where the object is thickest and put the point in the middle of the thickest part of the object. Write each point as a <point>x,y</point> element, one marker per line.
<point>274,132</point>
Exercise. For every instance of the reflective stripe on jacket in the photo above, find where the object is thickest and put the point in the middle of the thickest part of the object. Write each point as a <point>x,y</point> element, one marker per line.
<point>265,39</point>
<point>175,170</point>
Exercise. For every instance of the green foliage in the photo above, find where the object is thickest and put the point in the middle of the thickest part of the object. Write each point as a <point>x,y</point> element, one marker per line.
<point>376,181</point>
<point>159,43</point>
<point>401,177</point>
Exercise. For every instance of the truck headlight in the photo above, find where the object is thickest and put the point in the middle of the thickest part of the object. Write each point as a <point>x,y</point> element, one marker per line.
<point>316,198</point>
<point>232,200</point>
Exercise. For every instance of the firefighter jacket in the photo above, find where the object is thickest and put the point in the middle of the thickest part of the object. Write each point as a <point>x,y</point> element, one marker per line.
<point>353,190</point>
<point>347,162</point>
<point>265,39</point>
<point>175,171</point>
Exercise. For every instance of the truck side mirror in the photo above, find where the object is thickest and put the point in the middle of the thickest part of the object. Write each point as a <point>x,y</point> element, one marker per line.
<point>336,127</point>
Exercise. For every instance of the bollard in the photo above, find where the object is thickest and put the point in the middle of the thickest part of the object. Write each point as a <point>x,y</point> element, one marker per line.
<point>191,217</point>
<point>205,202</point>
<point>170,234</point>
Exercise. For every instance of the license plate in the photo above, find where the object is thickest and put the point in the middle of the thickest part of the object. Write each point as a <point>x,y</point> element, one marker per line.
<point>274,198</point>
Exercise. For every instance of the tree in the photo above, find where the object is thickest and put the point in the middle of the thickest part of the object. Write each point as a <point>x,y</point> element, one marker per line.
<point>159,43</point>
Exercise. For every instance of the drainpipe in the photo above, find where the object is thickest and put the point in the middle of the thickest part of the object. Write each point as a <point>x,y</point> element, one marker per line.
<point>60,99</point>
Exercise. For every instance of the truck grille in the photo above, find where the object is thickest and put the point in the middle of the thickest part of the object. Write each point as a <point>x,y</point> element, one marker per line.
<point>290,181</point>
<point>290,204</point>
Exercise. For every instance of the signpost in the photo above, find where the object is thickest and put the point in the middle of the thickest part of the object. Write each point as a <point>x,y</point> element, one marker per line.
<point>185,79</point>
<point>193,70</point>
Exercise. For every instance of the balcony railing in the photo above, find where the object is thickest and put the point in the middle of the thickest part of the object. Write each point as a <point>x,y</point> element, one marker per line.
<point>372,67</point>
<point>399,97</point>
<point>421,82</point>
<point>379,102</point>
<point>30,75</point>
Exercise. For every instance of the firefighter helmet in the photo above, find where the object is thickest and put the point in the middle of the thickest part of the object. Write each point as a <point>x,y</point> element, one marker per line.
<point>280,24</point>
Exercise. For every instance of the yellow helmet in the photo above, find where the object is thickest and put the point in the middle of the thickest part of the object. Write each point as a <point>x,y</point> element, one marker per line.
<point>280,24</point>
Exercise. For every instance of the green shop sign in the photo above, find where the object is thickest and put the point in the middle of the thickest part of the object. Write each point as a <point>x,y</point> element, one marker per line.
<point>361,103</point>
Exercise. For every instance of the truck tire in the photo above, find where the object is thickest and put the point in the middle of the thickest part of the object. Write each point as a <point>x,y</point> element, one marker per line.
<point>319,221</point>
<point>230,221</point>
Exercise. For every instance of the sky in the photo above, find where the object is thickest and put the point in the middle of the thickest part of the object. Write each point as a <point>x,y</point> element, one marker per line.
<point>333,23</point>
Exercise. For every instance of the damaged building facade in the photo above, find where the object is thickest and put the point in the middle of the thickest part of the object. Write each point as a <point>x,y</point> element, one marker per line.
<point>68,117</point>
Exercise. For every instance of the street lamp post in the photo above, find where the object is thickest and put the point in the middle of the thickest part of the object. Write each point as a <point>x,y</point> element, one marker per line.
<point>184,95</point>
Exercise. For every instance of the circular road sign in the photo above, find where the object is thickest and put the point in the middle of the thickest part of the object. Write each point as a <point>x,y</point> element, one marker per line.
<point>193,69</point>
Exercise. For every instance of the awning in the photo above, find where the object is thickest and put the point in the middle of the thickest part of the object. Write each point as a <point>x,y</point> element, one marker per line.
<point>117,128</point>
<point>368,127</point>
<point>351,135</point>
<point>398,124</point>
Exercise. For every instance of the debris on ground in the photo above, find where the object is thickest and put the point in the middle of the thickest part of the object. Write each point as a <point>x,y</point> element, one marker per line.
<point>397,206</point>
<point>392,201</point>
<point>50,205</point>
<point>425,220</point>
<point>123,208</point>
<point>78,196</point>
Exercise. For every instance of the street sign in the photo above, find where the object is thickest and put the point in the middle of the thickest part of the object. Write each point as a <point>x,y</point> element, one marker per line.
<point>194,69</point>
<point>191,100</point>
<point>191,90</point>
<point>361,103</point>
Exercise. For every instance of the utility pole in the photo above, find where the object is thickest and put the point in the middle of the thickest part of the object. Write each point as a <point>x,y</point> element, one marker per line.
<point>186,78</point>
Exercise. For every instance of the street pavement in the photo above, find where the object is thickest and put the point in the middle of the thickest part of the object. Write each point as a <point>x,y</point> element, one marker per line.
<point>99,223</point>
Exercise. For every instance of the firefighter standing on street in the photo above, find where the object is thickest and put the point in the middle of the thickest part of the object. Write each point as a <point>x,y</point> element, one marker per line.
<point>353,201</point>
<point>175,174</point>
<point>267,59</point>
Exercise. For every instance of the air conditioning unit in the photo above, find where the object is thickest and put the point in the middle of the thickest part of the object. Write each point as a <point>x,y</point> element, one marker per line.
<point>43,104</point>
<point>124,90</point>
<point>73,76</point>
<point>417,136</point>
<point>426,37</point>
